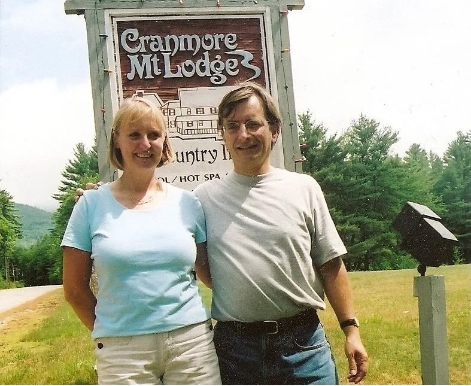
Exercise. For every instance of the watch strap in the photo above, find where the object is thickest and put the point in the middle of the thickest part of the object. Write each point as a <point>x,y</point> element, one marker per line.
<point>350,322</point>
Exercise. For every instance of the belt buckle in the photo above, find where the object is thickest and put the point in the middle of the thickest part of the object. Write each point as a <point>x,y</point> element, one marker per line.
<point>273,323</point>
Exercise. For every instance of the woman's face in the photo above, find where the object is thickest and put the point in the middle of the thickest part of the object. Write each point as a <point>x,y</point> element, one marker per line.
<point>141,143</point>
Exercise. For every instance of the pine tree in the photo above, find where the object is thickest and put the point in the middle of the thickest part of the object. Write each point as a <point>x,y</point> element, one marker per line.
<point>81,169</point>
<point>421,171</point>
<point>10,230</point>
<point>368,194</point>
<point>324,160</point>
<point>454,186</point>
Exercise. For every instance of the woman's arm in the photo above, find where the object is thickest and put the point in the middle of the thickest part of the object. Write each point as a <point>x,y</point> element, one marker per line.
<point>77,270</point>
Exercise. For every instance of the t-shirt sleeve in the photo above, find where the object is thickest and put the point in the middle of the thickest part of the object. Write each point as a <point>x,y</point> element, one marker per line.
<point>200,231</point>
<point>326,242</point>
<point>200,223</point>
<point>77,233</point>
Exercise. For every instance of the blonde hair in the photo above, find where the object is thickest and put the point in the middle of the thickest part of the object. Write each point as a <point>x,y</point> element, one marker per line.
<point>133,110</point>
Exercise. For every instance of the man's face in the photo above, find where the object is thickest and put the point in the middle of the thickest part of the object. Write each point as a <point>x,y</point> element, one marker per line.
<point>248,137</point>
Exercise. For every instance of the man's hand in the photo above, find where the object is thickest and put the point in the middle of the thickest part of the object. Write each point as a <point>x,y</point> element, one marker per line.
<point>339,293</point>
<point>88,186</point>
<point>357,357</point>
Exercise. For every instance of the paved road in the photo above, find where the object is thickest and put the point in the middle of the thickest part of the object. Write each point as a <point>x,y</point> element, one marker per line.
<point>11,298</point>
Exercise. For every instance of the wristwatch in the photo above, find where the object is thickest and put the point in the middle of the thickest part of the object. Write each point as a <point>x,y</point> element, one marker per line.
<point>350,322</point>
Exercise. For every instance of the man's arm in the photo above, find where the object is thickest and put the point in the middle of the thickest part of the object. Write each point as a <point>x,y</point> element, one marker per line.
<point>202,265</point>
<point>339,292</point>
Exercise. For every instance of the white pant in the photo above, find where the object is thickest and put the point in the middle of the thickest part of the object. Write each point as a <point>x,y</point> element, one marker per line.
<point>183,356</point>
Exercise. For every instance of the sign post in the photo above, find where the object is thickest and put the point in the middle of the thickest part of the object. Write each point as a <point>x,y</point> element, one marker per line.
<point>184,55</point>
<point>432,324</point>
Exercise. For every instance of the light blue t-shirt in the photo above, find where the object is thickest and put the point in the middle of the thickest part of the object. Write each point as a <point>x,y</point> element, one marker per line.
<point>143,259</point>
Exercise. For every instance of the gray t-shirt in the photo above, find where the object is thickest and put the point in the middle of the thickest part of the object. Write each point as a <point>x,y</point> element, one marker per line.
<point>265,234</point>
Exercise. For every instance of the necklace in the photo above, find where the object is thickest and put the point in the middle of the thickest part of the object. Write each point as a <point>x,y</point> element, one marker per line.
<point>128,192</point>
<point>143,200</point>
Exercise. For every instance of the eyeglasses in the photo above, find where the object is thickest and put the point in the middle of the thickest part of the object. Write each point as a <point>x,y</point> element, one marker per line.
<point>250,125</point>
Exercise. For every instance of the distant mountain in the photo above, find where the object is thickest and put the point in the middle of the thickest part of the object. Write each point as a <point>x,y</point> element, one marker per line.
<point>36,223</point>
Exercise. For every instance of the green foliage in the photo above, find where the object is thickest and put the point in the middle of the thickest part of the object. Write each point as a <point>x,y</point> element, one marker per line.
<point>82,169</point>
<point>10,284</point>
<point>454,185</point>
<point>36,223</point>
<point>10,231</point>
<point>84,163</point>
<point>366,186</point>
<point>322,154</point>
<point>363,194</point>
<point>41,263</point>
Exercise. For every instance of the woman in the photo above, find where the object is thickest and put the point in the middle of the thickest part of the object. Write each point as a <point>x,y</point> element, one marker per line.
<point>147,319</point>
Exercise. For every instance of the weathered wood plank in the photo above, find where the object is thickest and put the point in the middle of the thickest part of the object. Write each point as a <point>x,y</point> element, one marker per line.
<point>80,6</point>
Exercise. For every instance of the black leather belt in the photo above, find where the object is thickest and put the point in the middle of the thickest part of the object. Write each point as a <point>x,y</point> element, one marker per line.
<point>275,326</point>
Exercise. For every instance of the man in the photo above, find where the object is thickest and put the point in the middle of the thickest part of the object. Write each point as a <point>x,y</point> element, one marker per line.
<point>273,251</point>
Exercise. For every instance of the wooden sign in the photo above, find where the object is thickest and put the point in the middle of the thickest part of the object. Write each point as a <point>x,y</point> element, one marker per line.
<point>184,60</point>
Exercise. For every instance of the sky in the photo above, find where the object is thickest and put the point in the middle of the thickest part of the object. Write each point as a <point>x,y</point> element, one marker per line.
<point>405,64</point>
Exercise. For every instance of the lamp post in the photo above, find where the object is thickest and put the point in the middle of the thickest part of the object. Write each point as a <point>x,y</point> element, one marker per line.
<point>431,244</point>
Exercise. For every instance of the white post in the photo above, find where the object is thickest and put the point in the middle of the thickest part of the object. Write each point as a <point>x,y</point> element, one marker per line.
<point>432,324</point>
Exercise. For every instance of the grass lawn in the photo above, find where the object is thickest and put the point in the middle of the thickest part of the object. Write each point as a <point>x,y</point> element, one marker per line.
<point>58,349</point>
<point>46,344</point>
<point>388,314</point>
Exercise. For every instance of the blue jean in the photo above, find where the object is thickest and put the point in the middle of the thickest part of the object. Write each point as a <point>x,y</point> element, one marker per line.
<point>301,355</point>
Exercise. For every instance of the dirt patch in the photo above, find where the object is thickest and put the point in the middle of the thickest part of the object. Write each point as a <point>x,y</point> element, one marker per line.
<point>28,315</point>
